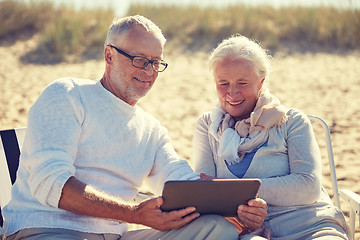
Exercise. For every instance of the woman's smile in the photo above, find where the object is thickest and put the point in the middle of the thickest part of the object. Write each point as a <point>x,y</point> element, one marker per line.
<point>233,103</point>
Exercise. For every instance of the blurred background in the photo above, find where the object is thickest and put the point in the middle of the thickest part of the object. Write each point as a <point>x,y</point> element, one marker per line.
<point>120,7</point>
<point>75,29</point>
<point>315,45</point>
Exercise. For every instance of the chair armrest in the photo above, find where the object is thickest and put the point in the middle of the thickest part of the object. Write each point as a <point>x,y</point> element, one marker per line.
<point>353,200</point>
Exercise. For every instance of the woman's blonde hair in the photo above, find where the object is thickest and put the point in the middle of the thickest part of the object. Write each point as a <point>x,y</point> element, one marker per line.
<point>241,47</point>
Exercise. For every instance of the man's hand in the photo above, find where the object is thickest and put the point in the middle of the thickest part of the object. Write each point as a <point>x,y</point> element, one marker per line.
<point>148,213</point>
<point>252,216</point>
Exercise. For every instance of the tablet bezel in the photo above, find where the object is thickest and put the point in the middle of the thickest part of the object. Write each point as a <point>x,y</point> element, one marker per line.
<point>217,196</point>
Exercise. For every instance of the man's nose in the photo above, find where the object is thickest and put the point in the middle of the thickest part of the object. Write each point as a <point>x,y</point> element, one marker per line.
<point>149,69</point>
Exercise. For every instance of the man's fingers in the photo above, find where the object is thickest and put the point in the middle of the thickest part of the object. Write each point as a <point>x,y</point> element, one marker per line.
<point>179,223</point>
<point>149,213</point>
<point>177,214</point>
<point>177,219</point>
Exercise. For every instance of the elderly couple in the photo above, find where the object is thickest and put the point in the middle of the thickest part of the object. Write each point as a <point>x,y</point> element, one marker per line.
<point>88,148</point>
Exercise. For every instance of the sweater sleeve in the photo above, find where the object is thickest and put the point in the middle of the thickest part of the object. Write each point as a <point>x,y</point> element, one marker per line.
<point>50,146</point>
<point>203,158</point>
<point>167,164</point>
<point>303,183</point>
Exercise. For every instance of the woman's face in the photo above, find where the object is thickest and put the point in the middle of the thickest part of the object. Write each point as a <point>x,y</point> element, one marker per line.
<point>238,86</point>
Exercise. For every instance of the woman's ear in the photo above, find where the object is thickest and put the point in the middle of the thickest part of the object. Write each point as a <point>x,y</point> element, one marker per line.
<point>108,55</point>
<point>261,83</point>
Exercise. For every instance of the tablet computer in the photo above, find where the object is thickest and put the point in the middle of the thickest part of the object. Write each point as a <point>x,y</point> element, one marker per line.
<point>217,196</point>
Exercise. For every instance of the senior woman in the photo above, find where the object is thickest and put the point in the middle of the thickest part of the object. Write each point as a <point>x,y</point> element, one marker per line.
<point>249,134</point>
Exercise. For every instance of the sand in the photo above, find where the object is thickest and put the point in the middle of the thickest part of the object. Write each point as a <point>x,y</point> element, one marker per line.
<point>327,85</point>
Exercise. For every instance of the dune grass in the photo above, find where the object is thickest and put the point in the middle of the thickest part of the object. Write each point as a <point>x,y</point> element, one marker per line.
<point>304,28</point>
<point>18,18</point>
<point>73,32</point>
<point>64,31</point>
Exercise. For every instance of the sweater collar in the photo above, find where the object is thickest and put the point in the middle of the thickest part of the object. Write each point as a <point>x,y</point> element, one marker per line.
<point>117,101</point>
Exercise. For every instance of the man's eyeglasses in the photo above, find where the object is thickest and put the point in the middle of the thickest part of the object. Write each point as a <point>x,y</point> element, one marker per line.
<point>142,62</point>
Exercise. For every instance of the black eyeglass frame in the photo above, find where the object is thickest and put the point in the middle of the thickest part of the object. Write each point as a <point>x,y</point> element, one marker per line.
<point>162,62</point>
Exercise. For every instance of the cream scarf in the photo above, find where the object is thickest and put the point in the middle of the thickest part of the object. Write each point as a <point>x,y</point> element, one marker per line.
<point>237,139</point>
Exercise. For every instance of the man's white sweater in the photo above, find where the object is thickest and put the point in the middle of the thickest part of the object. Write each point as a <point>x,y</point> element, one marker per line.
<point>78,128</point>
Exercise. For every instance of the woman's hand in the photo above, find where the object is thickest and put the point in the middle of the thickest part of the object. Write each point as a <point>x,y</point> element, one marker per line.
<point>252,216</point>
<point>204,176</point>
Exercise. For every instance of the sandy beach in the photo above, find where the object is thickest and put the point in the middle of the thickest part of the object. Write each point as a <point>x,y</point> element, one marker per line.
<point>323,84</point>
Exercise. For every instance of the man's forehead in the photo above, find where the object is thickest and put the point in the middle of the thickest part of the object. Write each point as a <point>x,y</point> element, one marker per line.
<point>141,41</point>
<point>141,38</point>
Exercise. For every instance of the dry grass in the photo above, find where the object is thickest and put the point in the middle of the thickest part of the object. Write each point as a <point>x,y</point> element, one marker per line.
<point>65,32</point>
<point>62,30</point>
<point>299,27</point>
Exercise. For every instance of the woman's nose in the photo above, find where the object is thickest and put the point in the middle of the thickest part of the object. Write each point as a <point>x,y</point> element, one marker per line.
<point>232,91</point>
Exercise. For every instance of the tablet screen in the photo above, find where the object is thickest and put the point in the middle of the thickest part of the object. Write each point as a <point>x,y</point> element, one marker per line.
<point>217,196</point>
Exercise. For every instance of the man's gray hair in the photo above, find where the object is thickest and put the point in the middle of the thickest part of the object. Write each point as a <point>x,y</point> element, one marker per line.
<point>241,47</point>
<point>121,26</point>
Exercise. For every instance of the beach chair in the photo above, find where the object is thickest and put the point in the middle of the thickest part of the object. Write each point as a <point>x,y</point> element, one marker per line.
<point>348,196</point>
<point>11,142</point>
<point>10,145</point>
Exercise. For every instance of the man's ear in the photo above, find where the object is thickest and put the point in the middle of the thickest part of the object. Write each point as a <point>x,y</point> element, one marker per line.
<point>108,55</point>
